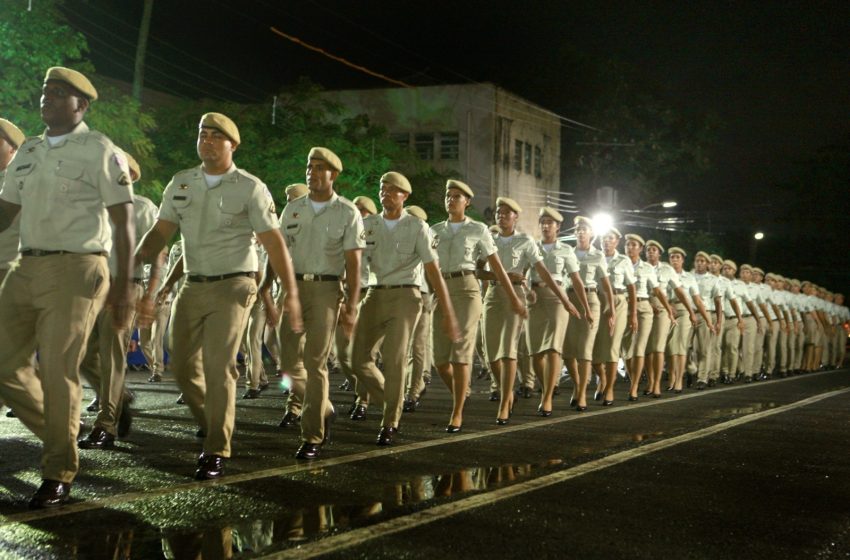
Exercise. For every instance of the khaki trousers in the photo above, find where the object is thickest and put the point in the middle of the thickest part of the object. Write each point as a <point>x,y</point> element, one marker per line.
<point>748,345</point>
<point>731,341</point>
<point>304,356</point>
<point>105,365</point>
<point>420,357</point>
<point>255,371</point>
<point>343,354</point>
<point>758,347</point>
<point>703,344</point>
<point>782,351</point>
<point>152,338</point>
<point>207,326</point>
<point>771,340</point>
<point>841,344</point>
<point>49,303</point>
<point>799,346</point>
<point>716,351</point>
<point>387,318</point>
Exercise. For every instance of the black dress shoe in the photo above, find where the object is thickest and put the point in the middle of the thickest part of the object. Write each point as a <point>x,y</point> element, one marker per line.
<point>632,399</point>
<point>94,405</point>
<point>701,385</point>
<point>50,494</point>
<point>712,382</point>
<point>359,413</point>
<point>309,451</point>
<point>386,435</point>
<point>211,467</point>
<point>606,402</point>
<point>125,420</point>
<point>97,439</point>
<point>11,414</point>
<point>251,394</point>
<point>201,433</point>
<point>289,420</point>
<point>180,399</point>
<point>502,421</point>
<point>408,406</point>
<point>748,379</point>
<point>345,386</point>
<point>263,386</point>
<point>452,429</point>
<point>155,378</point>
<point>526,392</point>
<point>494,396</point>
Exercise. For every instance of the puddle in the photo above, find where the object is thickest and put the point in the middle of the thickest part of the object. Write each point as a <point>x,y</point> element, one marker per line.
<point>750,408</point>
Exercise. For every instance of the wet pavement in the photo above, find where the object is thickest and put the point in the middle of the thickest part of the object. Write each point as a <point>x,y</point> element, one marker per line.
<point>745,471</point>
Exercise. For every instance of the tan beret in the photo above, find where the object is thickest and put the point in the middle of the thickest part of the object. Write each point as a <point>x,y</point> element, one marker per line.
<point>794,282</point>
<point>326,156</point>
<point>417,211</point>
<point>805,283</point>
<point>397,180</point>
<point>770,276</point>
<point>654,243</point>
<point>494,229</point>
<point>454,183</point>
<point>758,270</point>
<point>296,190</point>
<point>222,123</point>
<point>702,254</point>
<point>615,231</point>
<point>134,167</point>
<point>366,203</point>
<point>12,133</point>
<point>583,220</point>
<point>677,251</point>
<point>551,213</point>
<point>716,257</point>
<point>72,78</point>
<point>746,267</point>
<point>509,202</point>
<point>635,237</point>
<point>731,264</point>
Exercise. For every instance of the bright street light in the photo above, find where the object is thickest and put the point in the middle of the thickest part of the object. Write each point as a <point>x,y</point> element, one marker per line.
<point>602,223</point>
<point>759,236</point>
<point>669,204</point>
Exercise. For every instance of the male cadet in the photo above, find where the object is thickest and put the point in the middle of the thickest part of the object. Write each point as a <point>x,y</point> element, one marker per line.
<point>11,139</point>
<point>420,341</point>
<point>105,362</point>
<point>324,233</point>
<point>396,244</point>
<point>218,208</point>
<point>67,184</point>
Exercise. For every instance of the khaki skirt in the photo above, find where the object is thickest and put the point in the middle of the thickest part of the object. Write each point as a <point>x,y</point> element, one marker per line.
<point>547,322</point>
<point>660,329</point>
<point>608,344</point>
<point>680,334</point>
<point>580,337</point>
<point>634,343</point>
<point>465,295</point>
<point>501,325</point>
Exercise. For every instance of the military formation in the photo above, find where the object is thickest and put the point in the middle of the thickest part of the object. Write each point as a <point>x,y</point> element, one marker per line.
<point>87,261</point>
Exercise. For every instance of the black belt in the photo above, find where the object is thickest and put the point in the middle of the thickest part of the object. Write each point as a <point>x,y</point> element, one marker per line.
<point>643,299</point>
<point>41,253</point>
<point>393,286</point>
<point>623,291</point>
<point>458,274</point>
<point>496,283</point>
<point>317,277</point>
<point>731,316</point>
<point>198,278</point>
<point>542,284</point>
<point>588,290</point>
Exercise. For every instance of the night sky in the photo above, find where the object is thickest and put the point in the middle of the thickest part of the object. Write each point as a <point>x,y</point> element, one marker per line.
<point>776,73</point>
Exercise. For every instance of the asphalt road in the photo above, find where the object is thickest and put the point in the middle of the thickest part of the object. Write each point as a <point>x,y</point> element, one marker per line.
<point>746,471</point>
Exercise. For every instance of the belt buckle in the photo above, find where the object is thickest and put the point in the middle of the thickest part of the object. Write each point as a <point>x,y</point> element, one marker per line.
<point>309,277</point>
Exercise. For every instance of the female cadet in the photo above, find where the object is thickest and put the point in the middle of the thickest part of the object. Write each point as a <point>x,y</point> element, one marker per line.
<point>661,323</point>
<point>517,252</point>
<point>547,319</point>
<point>461,243</point>
<point>578,345</point>
<point>606,348</point>
<point>636,340</point>
<point>680,336</point>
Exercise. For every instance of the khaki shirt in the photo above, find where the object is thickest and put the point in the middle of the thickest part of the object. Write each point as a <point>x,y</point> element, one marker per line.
<point>668,279</point>
<point>217,223</point>
<point>709,288</point>
<point>144,212</point>
<point>560,261</point>
<point>517,253</point>
<point>620,271</point>
<point>689,286</point>
<point>394,255</point>
<point>318,241</point>
<point>64,191</point>
<point>473,242</point>
<point>593,267</point>
<point>741,294</point>
<point>645,278</point>
<point>10,238</point>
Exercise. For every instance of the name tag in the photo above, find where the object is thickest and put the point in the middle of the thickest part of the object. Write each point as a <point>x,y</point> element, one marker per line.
<point>22,167</point>
<point>291,226</point>
<point>179,197</point>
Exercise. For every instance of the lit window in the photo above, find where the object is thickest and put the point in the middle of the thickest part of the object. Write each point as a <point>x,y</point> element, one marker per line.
<point>449,145</point>
<point>538,162</point>
<point>518,155</point>
<point>527,159</point>
<point>424,144</point>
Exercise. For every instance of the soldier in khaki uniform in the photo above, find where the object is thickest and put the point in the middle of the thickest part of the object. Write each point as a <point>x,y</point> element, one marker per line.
<point>152,338</point>
<point>752,328</point>
<point>420,352</point>
<point>733,329</point>
<point>67,184</point>
<point>706,334</point>
<point>105,363</point>
<point>680,335</point>
<point>218,208</point>
<point>324,233</point>
<point>396,244</point>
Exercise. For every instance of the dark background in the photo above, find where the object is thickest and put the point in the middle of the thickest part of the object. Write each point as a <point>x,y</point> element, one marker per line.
<point>777,74</point>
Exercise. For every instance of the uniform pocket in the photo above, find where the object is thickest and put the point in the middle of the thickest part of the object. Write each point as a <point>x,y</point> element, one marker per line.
<point>233,212</point>
<point>71,183</point>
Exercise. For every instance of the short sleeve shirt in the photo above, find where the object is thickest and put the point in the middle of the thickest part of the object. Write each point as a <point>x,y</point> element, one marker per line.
<point>394,255</point>
<point>144,212</point>
<point>620,271</point>
<point>463,249</point>
<point>646,279</point>
<point>64,191</point>
<point>517,253</point>
<point>592,267</point>
<point>708,289</point>
<point>560,261</point>
<point>668,279</point>
<point>10,238</point>
<point>217,224</point>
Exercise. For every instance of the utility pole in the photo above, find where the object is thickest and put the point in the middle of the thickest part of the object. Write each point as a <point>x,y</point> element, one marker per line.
<point>141,48</point>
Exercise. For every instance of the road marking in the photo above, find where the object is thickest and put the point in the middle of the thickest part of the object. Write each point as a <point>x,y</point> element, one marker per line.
<point>103,503</point>
<point>437,513</point>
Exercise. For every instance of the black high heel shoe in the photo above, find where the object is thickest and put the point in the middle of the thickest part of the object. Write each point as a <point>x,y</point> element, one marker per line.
<point>452,429</point>
<point>581,408</point>
<point>606,402</point>
<point>647,393</point>
<point>632,399</point>
<point>502,421</point>
<point>573,402</point>
<point>544,413</point>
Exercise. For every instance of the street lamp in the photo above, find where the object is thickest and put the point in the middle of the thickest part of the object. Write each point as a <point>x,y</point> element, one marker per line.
<point>665,204</point>
<point>758,236</point>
